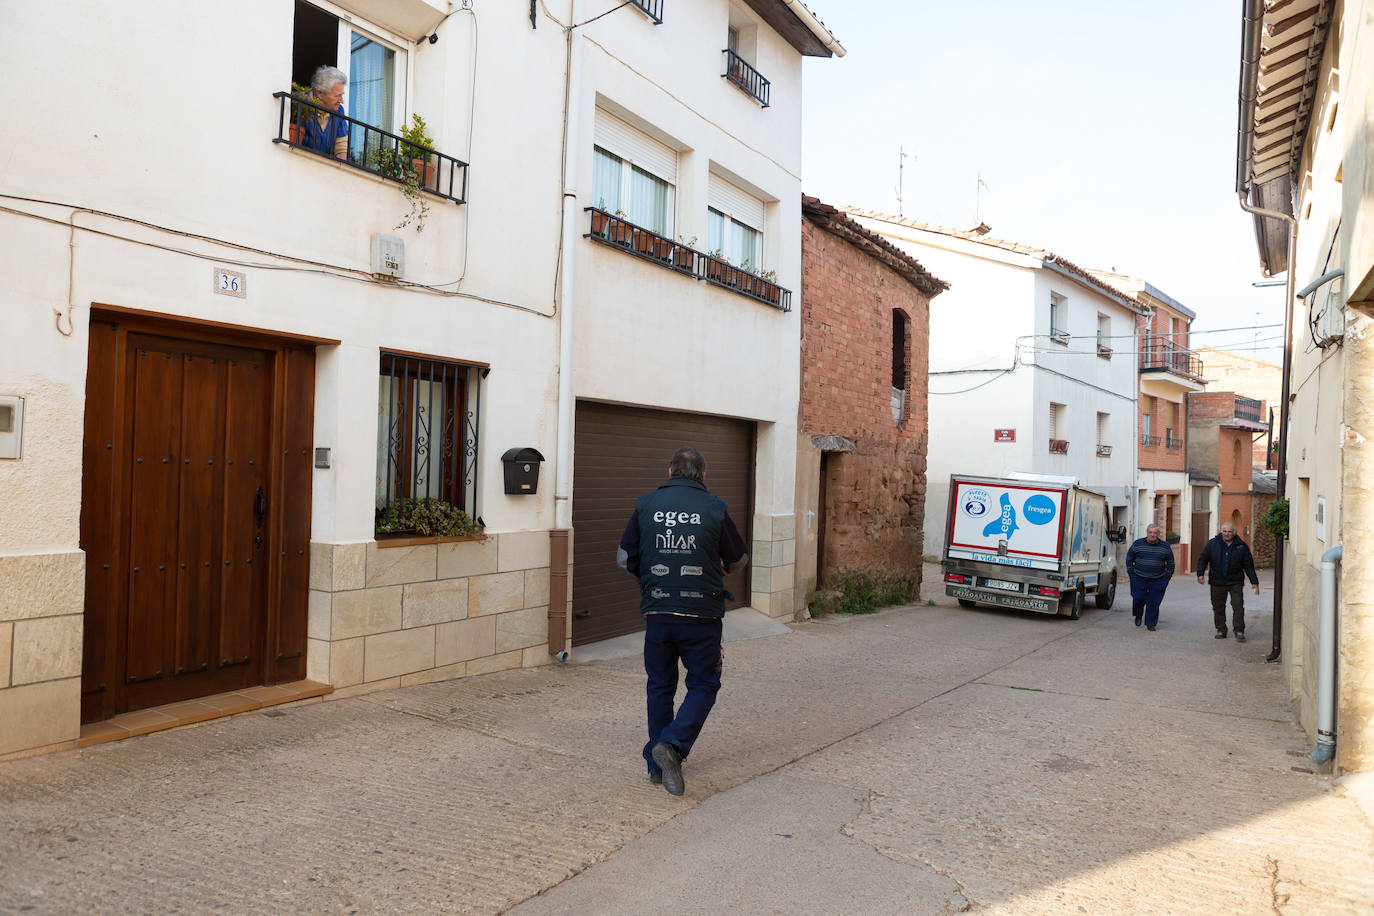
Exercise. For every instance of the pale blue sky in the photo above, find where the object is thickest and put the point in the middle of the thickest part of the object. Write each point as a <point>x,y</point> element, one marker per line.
<point>1106,132</point>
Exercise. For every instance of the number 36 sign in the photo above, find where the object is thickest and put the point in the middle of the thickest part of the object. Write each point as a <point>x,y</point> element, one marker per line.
<point>230,283</point>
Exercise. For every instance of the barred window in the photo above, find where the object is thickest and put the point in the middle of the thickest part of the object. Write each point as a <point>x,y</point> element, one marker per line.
<point>428,413</point>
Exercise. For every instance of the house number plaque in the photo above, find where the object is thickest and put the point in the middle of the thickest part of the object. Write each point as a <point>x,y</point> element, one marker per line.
<point>230,283</point>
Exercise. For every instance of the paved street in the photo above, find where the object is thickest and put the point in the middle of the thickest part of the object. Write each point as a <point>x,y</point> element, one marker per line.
<point>920,760</point>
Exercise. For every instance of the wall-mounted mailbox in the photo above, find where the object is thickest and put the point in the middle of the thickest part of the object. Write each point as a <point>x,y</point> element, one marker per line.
<point>522,470</point>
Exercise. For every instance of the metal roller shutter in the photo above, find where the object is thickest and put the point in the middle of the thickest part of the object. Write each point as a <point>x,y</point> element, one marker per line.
<point>621,453</point>
<point>615,136</point>
<point>734,202</point>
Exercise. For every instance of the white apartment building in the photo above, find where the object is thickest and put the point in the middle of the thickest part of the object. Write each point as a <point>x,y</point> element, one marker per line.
<point>1032,366</point>
<point>230,358</point>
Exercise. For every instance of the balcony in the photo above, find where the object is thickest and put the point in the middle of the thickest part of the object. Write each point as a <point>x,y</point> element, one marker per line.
<point>1104,451</point>
<point>1248,409</point>
<point>1173,443</point>
<point>651,8</point>
<point>1165,356</point>
<point>1059,446</point>
<point>1104,352</point>
<point>1149,441</point>
<point>1059,337</point>
<point>749,80</point>
<point>616,232</point>
<point>380,153</point>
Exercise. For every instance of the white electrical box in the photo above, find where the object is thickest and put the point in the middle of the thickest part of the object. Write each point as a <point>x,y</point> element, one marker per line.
<point>388,255</point>
<point>11,425</point>
<point>1332,321</point>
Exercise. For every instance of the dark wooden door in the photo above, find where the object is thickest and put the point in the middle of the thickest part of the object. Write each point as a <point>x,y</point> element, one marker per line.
<point>184,520</point>
<point>619,454</point>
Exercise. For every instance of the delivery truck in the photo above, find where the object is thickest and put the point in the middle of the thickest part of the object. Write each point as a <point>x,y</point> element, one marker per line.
<point>1030,541</point>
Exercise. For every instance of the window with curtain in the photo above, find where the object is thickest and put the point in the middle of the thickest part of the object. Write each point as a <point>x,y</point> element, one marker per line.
<point>619,187</point>
<point>737,243</point>
<point>371,89</point>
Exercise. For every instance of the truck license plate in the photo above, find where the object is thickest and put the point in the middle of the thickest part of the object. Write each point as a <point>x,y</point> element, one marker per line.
<point>1000,584</point>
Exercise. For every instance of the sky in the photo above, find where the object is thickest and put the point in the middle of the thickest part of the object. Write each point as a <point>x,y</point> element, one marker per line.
<point>1104,132</point>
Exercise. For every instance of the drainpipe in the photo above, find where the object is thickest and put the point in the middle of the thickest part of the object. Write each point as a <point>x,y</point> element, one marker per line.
<point>1326,661</point>
<point>1245,149</point>
<point>562,500</point>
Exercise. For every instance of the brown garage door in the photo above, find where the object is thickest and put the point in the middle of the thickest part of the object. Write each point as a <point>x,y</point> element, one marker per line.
<point>621,453</point>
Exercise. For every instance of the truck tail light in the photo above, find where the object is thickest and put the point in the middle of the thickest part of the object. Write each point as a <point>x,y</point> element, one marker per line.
<point>1045,591</point>
<point>956,577</point>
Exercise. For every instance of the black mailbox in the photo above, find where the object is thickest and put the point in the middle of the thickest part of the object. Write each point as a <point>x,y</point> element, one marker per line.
<point>522,470</point>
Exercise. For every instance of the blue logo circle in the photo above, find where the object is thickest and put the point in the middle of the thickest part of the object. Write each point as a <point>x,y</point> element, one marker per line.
<point>1039,509</point>
<point>975,508</point>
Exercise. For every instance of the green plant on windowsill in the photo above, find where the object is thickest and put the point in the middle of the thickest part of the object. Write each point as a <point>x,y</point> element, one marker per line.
<point>425,517</point>
<point>397,164</point>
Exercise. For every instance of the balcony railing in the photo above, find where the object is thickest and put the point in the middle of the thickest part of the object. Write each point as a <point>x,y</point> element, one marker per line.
<point>1172,442</point>
<point>1059,446</point>
<point>1149,441</point>
<point>1059,337</point>
<point>1104,352</point>
<point>738,71</point>
<point>621,233</point>
<point>378,152</point>
<point>1248,409</point>
<point>1104,451</point>
<point>1166,356</point>
<point>651,8</point>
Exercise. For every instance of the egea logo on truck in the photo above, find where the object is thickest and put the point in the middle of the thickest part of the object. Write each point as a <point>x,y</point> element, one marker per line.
<point>976,502</point>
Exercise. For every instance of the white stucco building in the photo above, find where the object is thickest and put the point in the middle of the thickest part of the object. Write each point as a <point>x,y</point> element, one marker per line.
<point>1025,373</point>
<point>211,393</point>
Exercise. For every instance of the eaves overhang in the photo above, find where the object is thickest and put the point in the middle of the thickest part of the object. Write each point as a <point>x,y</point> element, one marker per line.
<point>798,26</point>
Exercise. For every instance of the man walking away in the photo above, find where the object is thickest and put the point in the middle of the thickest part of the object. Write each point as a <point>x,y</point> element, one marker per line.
<point>1231,563</point>
<point>680,543</point>
<point>1149,563</point>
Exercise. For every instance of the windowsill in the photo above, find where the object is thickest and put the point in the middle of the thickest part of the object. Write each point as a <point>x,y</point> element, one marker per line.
<point>418,540</point>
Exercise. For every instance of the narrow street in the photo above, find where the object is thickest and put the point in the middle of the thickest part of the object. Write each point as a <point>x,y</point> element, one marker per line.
<point>925,759</point>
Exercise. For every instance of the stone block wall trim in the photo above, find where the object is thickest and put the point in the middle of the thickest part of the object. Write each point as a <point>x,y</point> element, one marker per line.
<point>385,541</point>
<point>42,585</point>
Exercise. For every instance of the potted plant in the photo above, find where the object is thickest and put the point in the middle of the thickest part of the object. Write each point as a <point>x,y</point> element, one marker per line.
<point>684,257</point>
<point>424,517</point>
<point>299,113</point>
<point>396,164</point>
<point>419,147</point>
<point>1172,537</point>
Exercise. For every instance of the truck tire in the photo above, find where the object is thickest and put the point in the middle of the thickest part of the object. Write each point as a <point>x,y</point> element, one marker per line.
<point>1105,598</point>
<point>1076,604</point>
<point>966,602</point>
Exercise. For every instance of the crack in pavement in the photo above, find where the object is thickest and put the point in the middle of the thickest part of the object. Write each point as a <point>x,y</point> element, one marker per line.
<point>1276,901</point>
<point>1084,696</point>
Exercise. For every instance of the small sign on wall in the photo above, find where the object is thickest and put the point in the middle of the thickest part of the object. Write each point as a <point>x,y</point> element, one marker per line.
<point>230,283</point>
<point>1004,435</point>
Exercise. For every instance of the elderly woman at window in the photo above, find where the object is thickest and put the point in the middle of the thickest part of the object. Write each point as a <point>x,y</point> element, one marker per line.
<point>326,131</point>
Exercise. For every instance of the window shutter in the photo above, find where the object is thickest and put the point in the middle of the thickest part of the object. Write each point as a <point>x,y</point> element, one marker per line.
<point>615,136</point>
<point>734,201</point>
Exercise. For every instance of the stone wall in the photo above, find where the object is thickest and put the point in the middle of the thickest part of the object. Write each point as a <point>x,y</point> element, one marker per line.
<point>1261,541</point>
<point>383,617</point>
<point>40,650</point>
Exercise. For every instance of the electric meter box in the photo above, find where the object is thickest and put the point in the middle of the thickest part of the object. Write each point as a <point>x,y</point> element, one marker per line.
<point>388,255</point>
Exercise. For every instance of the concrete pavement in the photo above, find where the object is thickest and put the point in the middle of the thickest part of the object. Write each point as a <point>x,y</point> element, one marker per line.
<point>923,759</point>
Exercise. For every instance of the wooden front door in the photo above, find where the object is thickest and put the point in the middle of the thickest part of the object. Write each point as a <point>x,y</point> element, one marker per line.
<point>186,520</point>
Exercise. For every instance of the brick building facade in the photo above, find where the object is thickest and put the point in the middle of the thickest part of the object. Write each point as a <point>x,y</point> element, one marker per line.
<point>1222,427</point>
<point>861,464</point>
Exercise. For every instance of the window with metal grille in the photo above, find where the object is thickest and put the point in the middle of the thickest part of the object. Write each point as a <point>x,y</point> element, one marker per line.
<point>428,414</point>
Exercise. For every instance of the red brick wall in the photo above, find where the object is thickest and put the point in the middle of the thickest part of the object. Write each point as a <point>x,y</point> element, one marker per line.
<point>1160,457</point>
<point>875,495</point>
<point>1261,541</point>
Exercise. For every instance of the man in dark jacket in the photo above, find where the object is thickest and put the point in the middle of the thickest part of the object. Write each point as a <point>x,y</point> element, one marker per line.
<point>1231,564</point>
<point>680,543</point>
<point>1149,563</point>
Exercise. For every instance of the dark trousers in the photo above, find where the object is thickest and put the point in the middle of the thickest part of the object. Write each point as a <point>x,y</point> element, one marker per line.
<point>1237,593</point>
<point>695,641</point>
<point>1146,594</point>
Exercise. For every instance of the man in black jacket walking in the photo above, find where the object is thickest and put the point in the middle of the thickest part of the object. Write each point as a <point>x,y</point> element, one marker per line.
<point>1150,564</point>
<point>680,543</point>
<point>1231,564</point>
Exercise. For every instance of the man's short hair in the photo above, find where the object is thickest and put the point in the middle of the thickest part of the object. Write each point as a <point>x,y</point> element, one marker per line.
<point>1229,525</point>
<point>1148,527</point>
<point>687,462</point>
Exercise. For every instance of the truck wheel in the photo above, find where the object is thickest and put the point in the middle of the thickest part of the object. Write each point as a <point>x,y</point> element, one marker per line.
<point>1076,604</point>
<point>1105,598</point>
<point>965,602</point>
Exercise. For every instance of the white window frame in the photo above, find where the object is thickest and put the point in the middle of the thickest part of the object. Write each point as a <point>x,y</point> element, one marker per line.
<point>348,24</point>
<point>627,167</point>
<point>605,138</point>
<point>1059,309</point>
<point>719,192</point>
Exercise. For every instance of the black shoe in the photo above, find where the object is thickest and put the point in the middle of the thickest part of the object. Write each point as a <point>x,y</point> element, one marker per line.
<point>1137,620</point>
<point>1151,629</point>
<point>1221,634</point>
<point>656,778</point>
<point>1240,636</point>
<point>667,757</point>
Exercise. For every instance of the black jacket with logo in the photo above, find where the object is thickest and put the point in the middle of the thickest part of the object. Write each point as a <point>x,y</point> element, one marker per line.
<point>679,543</point>
<point>1240,567</point>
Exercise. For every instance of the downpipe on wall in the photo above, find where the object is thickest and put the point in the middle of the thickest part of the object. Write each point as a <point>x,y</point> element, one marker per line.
<point>1326,660</point>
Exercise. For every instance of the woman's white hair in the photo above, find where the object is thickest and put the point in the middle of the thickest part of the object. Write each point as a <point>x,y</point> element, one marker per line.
<point>325,77</point>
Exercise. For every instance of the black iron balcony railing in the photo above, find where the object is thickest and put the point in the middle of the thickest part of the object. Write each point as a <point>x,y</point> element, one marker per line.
<point>1149,441</point>
<point>1104,451</point>
<point>651,8</point>
<point>1173,442</point>
<point>1166,356</point>
<point>1248,409</point>
<point>738,71</point>
<point>378,151</point>
<point>617,232</point>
